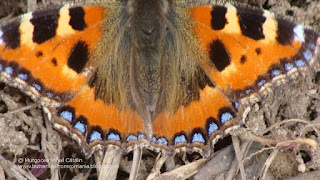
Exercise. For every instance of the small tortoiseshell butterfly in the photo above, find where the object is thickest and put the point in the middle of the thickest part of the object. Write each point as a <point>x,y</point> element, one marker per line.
<point>165,75</point>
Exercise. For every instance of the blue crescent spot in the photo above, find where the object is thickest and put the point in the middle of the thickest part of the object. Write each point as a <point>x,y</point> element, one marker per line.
<point>131,137</point>
<point>261,83</point>
<point>154,139</point>
<point>1,67</point>
<point>307,55</point>
<point>180,139</point>
<point>9,70</point>
<point>113,136</point>
<point>197,137</point>
<point>141,136</point>
<point>23,76</point>
<point>162,141</point>
<point>236,104</point>
<point>288,66</point>
<point>275,72</point>
<point>311,45</point>
<point>95,135</point>
<point>212,128</point>
<point>49,94</point>
<point>248,91</point>
<point>67,115</point>
<point>300,63</point>
<point>80,126</point>
<point>226,117</point>
<point>37,86</point>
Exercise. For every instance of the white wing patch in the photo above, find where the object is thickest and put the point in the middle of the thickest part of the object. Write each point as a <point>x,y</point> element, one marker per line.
<point>299,33</point>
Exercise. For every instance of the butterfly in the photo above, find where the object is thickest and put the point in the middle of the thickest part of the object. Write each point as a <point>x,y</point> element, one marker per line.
<point>163,75</point>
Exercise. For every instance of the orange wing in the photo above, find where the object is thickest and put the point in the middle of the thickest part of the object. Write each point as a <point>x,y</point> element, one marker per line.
<point>247,51</point>
<point>45,52</point>
<point>249,48</point>
<point>48,54</point>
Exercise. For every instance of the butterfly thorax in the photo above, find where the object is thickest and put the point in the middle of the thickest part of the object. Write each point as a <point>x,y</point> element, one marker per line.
<point>145,32</point>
